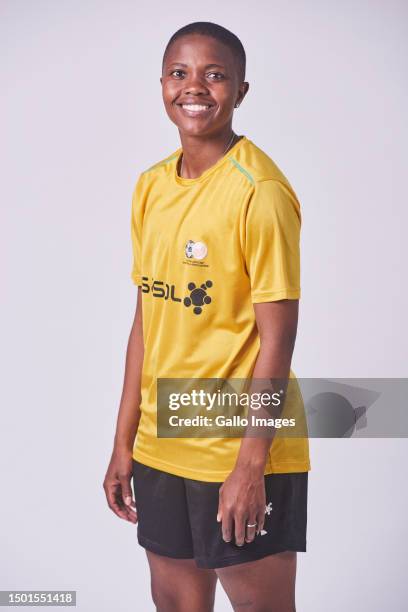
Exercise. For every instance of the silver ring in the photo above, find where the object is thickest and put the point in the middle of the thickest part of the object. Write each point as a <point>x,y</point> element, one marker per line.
<point>251,524</point>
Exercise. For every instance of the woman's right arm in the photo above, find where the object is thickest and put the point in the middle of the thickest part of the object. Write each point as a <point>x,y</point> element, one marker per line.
<point>118,476</point>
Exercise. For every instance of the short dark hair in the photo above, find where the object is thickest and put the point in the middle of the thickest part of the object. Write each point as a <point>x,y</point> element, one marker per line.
<point>207,28</point>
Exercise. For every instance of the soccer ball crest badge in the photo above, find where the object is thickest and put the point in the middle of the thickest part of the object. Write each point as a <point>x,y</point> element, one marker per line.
<point>196,250</point>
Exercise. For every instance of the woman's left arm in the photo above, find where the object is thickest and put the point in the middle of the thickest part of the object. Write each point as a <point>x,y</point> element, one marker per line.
<point>242,495</point>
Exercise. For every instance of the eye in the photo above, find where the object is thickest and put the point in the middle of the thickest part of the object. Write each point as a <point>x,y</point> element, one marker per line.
<point>218,76</point>
<point>177,73</point>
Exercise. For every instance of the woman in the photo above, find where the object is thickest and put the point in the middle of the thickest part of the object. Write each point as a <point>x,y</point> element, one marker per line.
<point>215,231</point>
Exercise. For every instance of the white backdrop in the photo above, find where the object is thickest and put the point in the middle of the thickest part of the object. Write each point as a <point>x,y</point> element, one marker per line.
<point>81,116</point>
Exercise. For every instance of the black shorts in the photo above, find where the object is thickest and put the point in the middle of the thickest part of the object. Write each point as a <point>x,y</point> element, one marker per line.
<point>177,518</point>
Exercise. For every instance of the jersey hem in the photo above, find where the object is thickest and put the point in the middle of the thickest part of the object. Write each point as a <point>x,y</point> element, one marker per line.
<point>284,467</point>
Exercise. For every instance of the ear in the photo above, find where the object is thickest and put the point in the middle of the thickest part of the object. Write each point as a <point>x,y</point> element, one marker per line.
<point>243,89</point>
<point>161,80</point>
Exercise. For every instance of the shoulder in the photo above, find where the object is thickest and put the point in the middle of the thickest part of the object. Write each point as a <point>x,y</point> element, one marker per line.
<point>162,165</point>
<point>270,186</point>
<point>257,164</point>
<point>148,177</point>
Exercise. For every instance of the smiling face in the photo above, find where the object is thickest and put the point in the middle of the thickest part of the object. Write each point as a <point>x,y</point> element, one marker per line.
<point>201,84</point>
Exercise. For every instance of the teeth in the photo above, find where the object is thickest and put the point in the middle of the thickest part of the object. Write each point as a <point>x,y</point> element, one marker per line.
<point>195,107</point>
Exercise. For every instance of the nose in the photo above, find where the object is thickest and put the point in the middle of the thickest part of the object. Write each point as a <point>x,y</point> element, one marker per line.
<point>194,84</point>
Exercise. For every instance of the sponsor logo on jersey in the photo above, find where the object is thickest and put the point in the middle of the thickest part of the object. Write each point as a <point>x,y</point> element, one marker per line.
<point>197,294</point>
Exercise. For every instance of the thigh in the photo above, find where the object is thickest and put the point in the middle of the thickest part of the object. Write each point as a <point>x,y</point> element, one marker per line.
<point>178,585</point>
<point>264,585</point>
<point>284,527</point>
<point>163,525</point>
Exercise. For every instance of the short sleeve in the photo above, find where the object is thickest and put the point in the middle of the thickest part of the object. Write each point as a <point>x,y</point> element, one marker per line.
<point>272,242</point>
<point>136,233</point>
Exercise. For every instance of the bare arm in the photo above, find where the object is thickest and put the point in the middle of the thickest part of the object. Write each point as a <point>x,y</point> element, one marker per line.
<point>129,408</point>
<point>277,327</point>
<point>118,476</point>
<point>242,496</point>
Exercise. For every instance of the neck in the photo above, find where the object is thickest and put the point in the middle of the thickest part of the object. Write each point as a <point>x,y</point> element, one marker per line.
<point>202,152</point>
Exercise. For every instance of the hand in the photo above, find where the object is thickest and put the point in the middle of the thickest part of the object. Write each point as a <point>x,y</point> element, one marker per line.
<point>242,500</point>
<point>117,485</point>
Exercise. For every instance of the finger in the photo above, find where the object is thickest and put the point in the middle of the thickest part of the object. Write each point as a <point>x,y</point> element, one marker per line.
<point>127,493</point>
<point>260,519</point>
<point>121,512</point>
<point>226,526</point>
<point>126,512</point>
<point>250,528</point>
<point>116,506</point>
<point>132,516</point>
<point>219,512</point>
<point>115,502</point>
<point>130,511</point>
<point>239,524</point>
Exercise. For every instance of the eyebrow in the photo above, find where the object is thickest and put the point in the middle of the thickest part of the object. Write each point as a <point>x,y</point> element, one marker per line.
<point>205,67</point>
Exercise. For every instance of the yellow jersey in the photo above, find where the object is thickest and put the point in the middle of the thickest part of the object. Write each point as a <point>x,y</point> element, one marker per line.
<point>204,250</point>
